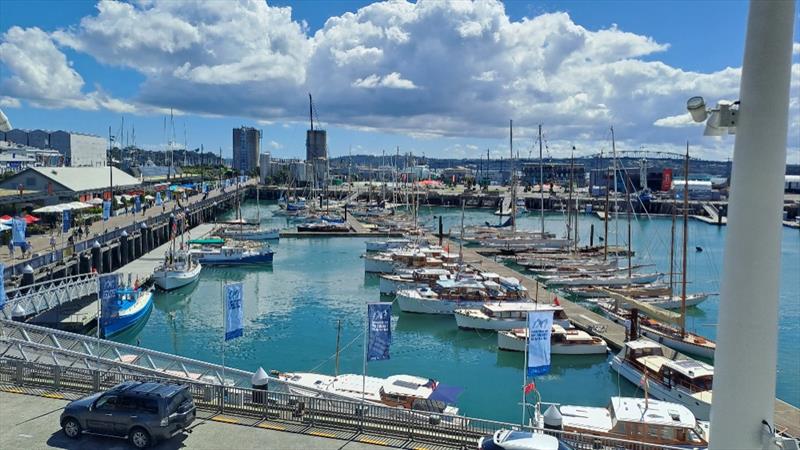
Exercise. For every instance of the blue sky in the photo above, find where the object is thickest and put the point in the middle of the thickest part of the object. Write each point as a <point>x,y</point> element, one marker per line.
<point>391,97</point>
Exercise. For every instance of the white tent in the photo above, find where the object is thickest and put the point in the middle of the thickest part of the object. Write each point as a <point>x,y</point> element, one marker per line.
<point>62,207</point>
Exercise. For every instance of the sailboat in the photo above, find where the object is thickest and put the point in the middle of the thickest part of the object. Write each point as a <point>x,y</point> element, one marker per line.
<point>178,268</point>
<point>244,231</point>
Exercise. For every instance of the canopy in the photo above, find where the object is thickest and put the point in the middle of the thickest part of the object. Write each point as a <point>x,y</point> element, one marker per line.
<point>149,197</point>
<point>95,201</point>
<point>447,394</point>
<point>62,207</point>
<point>6,217</point>
<point>49,209</point>
<point>29,219</point>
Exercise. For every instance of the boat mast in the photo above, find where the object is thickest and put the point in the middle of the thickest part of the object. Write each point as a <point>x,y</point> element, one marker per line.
<point>461,239</point>
<point>577,205</point>
<point>672,253</point>
<point>569,198</point>
<point>541,180</point>
<point>685,238</point>
<point>630,206</point>
<point>605,213</point>
<point>338,336</point>
<point>513,180</point>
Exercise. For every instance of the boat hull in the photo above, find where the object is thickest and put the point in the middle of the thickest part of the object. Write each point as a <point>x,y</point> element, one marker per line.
<point>666,340</point>
<point>260,235</point>
<point>128,318</point>
<point>700,409</point>
<point>506,342</point>
<point>169,279</point>
<point>372,265</point>
<point>612,281</point>
<point>484,323</point>
<point>215,260</point>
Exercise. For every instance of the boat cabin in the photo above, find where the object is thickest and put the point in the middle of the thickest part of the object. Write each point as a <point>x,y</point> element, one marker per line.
<point>560,335</point>
<point>519,311</point>
<point>689,375</point>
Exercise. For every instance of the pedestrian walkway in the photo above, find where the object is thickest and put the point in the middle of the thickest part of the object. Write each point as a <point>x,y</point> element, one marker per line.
<point>32,422</point>
<point>41,243</point>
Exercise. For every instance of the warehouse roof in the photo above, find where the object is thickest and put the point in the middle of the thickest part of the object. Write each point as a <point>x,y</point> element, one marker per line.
<point>79,179</point>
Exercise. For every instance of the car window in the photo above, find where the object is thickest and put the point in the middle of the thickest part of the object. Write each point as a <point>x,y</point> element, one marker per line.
<point>176,400</point>
<point>148,405</point>
<point>107,403</point>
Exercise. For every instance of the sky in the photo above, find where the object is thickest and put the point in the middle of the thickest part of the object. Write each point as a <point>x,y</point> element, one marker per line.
<point>435,78</point>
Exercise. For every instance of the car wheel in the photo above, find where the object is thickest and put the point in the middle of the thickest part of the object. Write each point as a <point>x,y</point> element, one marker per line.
<point>72,429</point>
<point>140,438</point>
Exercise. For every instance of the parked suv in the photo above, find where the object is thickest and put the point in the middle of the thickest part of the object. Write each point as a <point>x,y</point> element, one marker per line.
<point>144,412</point>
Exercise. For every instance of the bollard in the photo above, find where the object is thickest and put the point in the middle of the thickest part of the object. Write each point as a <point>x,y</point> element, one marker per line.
<point>18,314</point>
<point>123,248</point>
<point>259,382</point>
<point>85,264</point>
<point>27,276</point>
<point>97,261</point>
<point>440,229</point>
<point>591,236</point>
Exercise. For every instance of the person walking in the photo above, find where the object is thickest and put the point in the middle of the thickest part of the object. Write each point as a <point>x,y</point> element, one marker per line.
<point>11,248</point>
<point>52,242</point>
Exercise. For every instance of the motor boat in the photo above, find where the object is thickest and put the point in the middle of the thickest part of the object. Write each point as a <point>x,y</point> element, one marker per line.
<point>563,341</point>
<point>177,270</point>
<point>228,255</point>
<point>506,315</point>
<point>129,308</point>
<point>520,440</point>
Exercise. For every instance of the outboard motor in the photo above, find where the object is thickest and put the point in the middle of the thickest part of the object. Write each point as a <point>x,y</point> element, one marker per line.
<point>553,419</point>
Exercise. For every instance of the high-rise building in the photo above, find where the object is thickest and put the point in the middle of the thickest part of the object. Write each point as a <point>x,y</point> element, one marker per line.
<point>246,147</point>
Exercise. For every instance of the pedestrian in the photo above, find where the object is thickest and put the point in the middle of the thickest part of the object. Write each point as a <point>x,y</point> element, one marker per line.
<point>52,243</point>
<point>11,248</point>
<point>126,209</point>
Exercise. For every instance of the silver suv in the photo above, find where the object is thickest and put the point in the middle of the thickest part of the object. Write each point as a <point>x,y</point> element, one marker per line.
<point>144,412</point>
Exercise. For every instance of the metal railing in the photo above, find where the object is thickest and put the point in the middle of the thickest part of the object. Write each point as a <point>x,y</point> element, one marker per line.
<point>269,406</point>
<point>33,343</point>
<point>40,297</point>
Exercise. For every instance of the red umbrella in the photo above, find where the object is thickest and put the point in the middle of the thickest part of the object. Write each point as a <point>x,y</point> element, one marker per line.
<point>6,217</point>
<point>29,219</point>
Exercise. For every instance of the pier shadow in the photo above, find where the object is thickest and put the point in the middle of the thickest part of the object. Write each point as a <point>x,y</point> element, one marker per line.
<point>92,442</point>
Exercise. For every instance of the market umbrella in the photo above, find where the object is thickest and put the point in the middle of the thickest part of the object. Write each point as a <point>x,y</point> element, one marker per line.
<point>6,218</point>
<point>50,209</point>
<point>95,201</point>
<point>29,219</point>
<point>77,205</point>
<point>149,197</point>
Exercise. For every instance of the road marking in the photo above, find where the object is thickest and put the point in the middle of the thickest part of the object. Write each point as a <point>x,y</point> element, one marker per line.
<point>322,434</point>
<point>12,390</point>
<point>373,441</point>
<point>25,435</point>
<point>224,419</point>
<point>270,426</point>
<point>420,448</point>
<point>53,395</point>
<point>589,319</point>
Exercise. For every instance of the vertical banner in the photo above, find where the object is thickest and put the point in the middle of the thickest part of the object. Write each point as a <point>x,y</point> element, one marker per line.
<point>18,231</point>
<point>159,202</point>
<point>106,209</point>
<point>2,285</point>
<point>540,325</point>
<point>137,203</point>
<point>379,317</point>
<point>107,293</point>
<point>65,220</point>
<point>169,195</point>
<point>234,311</point>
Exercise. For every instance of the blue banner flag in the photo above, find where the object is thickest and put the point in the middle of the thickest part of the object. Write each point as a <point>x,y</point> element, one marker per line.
<point>65,220</point>
<point>2,285</point>
<point>540,325</point>
<point>18,231</point>
<point>169,195</point>
<point>234,311</point>
<point>107,292</point>
<point>159,202</point>
<point>379,317</point>
<point>106,209</point>
<point>137,203</point>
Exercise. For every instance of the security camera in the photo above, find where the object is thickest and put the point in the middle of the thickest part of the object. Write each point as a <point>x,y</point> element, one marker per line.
<point>697,108</point>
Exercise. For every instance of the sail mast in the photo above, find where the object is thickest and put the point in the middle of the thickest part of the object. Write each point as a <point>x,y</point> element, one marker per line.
<point>541,180</point>
<point>685,238</point>
<point>513,179</point>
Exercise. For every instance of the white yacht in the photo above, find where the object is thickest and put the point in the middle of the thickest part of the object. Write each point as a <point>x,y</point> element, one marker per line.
<point>387,244</point>
<point>506,315</point>
<point>177,270</point>
<point>403,391</point>
<point>562,341</point>
<point>644,421</point>
<point>229,255</point>
<point>685,381</point>
<point>605,280</point>
<point>448,295</point>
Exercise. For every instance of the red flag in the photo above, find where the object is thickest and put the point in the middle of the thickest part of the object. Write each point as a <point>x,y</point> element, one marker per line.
<point>529,387</point>
<point>556,302</point>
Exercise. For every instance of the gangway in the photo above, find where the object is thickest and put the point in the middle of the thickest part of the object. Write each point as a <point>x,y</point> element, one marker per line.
<point>37,298</point>
<point>33,343</point>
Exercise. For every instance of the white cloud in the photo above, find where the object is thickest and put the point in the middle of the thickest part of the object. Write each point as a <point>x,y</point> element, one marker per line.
<point>8,102</point>
<point>677,121</point>
<point>393,80</point>
<point>423,69</point>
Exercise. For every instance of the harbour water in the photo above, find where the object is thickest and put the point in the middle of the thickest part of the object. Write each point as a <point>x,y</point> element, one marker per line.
<point>292,310</point>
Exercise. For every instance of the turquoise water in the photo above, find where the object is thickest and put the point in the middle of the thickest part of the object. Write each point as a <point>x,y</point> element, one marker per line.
<point>292,310</point>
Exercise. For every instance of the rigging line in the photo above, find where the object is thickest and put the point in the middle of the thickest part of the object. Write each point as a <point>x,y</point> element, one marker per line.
<point>360,334</point>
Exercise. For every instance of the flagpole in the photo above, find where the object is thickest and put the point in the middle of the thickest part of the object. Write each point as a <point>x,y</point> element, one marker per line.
<point>364,369</point>
<point>525,367</point>
<point>224,322</point>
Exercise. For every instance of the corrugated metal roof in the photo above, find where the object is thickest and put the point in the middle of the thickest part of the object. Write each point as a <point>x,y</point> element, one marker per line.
<point>86,178</point>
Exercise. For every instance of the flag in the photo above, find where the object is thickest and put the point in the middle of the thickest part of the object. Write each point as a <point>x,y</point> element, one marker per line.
<point>137,204</point>
<point>169,195</point>
<point>65,220</point>
<point>106,209</point>
<point>379,323</point>
<point>2,285</point>
<point>18,231</point>
<point>530,387</point>
<point>107,292</point>
<point>540,324</point>
<point>159,202</point>
<point>234,312</point>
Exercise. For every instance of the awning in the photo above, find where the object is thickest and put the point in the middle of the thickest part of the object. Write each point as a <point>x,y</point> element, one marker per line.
<point>446,394</point>
<point>62,207</point>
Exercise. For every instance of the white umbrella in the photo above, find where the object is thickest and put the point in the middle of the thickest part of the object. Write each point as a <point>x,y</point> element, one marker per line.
<point>4,227</point>
<point>95,201</point>
<point>149,197</point>
<point>78,205</point>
